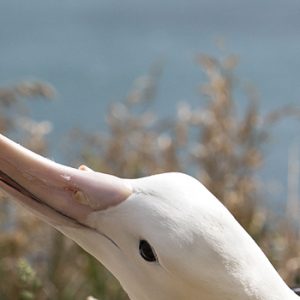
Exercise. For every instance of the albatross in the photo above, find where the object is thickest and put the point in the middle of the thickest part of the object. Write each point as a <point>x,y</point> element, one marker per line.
<point>163,237</point>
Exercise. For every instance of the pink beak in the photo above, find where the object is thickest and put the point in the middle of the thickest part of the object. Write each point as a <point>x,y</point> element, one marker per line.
<point>60,195</point>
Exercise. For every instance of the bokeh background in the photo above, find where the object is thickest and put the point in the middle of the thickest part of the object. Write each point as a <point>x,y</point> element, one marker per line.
<point>210,88</point>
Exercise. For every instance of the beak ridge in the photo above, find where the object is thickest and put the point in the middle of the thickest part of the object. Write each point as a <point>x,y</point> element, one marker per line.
<point>74,193</point>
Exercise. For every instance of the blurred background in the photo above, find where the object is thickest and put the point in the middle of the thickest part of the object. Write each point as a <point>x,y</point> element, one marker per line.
<point>139,87</point>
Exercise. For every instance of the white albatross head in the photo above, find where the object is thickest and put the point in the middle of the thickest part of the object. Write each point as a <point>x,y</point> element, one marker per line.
<point>163,237</point>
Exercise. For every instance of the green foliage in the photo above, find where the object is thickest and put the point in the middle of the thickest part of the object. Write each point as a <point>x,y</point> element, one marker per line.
<point>28,281</point>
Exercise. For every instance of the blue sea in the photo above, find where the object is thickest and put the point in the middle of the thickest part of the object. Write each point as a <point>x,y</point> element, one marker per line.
<point>91,51</point>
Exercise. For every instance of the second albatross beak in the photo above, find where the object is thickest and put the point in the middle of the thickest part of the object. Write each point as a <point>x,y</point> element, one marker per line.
<point>60,194</point>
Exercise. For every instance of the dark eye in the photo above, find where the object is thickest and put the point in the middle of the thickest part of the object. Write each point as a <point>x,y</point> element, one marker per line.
<point>146,251</point>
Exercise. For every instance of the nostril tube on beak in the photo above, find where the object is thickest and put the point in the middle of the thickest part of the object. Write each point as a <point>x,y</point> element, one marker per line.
<point>81,198</point>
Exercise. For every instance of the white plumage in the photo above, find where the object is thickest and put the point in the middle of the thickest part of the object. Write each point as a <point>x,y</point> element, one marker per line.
<point>164,237</point>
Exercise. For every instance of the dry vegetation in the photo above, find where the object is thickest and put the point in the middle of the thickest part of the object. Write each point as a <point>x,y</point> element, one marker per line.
<point>212,141</point>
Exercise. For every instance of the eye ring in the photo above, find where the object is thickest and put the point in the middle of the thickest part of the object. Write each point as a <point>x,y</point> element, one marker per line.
<point>147,252</point>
